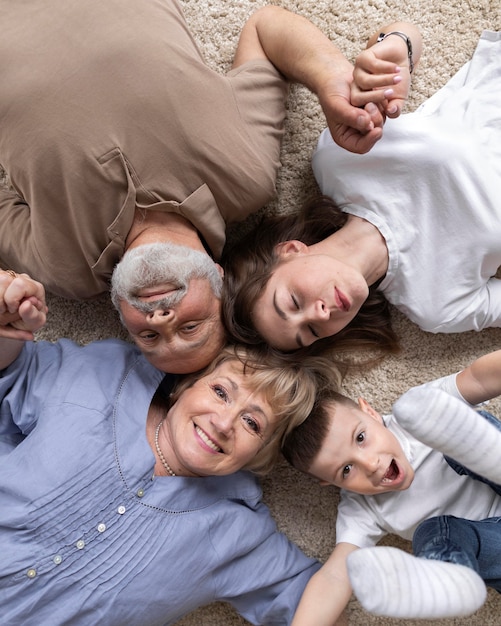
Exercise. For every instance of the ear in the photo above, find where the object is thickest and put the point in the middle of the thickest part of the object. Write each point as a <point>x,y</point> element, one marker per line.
<point>367,408</point>
<point>219,269</point>
<point>287,248</point>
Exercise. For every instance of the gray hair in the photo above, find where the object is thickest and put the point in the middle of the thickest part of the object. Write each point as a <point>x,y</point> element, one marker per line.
<point>156,263</point>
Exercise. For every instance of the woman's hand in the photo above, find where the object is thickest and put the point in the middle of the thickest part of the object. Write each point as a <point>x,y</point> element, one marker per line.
<point>383,68</point>
<point>23,309</point>
<point>382,72</point>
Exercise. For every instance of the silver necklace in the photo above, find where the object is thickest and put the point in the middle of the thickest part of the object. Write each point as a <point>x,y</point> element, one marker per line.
<point>159,452</point>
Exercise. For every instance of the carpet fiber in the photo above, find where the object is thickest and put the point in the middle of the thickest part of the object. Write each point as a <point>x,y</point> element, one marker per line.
<point>450,30</point>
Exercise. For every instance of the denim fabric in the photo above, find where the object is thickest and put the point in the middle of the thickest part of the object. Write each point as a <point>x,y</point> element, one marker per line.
<point>460,469</point>
<point>475,544</point>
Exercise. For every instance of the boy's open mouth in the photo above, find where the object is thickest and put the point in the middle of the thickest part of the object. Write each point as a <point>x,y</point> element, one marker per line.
<point>392,472</point>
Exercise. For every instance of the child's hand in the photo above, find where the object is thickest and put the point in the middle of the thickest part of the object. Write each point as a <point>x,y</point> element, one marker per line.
<point>384,67</point>
<point>22,305</point>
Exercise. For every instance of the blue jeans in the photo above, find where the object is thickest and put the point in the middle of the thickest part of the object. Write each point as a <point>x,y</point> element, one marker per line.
<point>476,544</point>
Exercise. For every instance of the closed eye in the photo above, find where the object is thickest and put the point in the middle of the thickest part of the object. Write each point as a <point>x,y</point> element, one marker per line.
<point>294,301</point>
<point>313,332</point>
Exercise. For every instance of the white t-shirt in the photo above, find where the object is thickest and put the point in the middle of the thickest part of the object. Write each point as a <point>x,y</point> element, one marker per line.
<point>432,186</point>
<point>436,490</point>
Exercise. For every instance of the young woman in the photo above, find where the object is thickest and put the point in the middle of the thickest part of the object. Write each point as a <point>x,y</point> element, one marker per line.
<point>416,222</point>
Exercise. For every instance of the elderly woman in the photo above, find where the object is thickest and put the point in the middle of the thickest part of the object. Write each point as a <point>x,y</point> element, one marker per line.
<point>122,502</point>
<point>416,222</point>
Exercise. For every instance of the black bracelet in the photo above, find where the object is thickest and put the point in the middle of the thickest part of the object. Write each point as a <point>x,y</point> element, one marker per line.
<point>407,41</point>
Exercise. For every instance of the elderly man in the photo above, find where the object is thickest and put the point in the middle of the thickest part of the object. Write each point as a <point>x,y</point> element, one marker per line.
<point>118,139</point>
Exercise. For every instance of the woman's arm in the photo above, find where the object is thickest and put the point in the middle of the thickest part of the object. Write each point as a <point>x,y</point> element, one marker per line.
<point>328,592</point>
<point>385,66</point>
<point>481,380</point>
<point>22,311</point>
<point>303,54</point>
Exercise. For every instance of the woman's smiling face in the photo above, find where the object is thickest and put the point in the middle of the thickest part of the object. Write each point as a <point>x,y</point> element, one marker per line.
<point>308,296</point>
<point>217,425</point>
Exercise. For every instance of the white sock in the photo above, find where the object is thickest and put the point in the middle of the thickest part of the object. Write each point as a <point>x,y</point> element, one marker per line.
<point>447,424</point>
<point>390,582</point>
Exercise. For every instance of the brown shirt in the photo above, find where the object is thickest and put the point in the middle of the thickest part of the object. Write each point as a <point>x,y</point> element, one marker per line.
<point>106,106</point>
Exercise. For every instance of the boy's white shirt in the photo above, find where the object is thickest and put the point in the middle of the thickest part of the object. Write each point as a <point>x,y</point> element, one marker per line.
<point>436,489</point>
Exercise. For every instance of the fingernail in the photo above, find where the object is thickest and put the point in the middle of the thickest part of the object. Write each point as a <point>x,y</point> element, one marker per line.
<point>397,79</point>
<point>388,93</point>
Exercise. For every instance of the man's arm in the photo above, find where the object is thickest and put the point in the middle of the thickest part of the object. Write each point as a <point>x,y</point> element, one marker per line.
<point>327,593</point>
<point>303,54</point>
<point>481,380</point>
<point>22,311</point>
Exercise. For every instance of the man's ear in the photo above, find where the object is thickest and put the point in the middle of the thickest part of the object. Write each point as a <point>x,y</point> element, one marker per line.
<point>220,270</point>
<point>367,408</point>
<point>287,248</point>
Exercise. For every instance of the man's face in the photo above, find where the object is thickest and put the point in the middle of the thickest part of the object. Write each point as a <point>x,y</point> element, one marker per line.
<point>182,338</point>
<point>166,298</point>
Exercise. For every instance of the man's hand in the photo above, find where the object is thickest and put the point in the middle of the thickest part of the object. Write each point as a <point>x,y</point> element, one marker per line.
<point>352,127</point>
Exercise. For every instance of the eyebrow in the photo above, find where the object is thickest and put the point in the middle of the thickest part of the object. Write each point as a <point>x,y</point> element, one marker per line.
<point>284,316</point>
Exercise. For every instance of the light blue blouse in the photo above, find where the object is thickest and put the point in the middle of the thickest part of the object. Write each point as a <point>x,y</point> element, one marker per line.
<point>88,536</point>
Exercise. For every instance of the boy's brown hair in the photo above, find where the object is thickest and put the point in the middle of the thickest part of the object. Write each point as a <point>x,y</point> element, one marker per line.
<point>303,443</point>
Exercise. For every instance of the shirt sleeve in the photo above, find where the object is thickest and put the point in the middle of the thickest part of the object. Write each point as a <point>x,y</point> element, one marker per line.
<point>18,398</point>
<point>269,579</point>
<point>357,522</point>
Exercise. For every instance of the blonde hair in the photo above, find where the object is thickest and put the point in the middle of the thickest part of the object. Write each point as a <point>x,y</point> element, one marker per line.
<point>290,388</point>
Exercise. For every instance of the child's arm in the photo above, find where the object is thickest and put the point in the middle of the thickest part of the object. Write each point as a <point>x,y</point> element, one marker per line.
<point>327,593</point>
<point>481,380</point>
<point>385,65</point>
<point>22,312</point>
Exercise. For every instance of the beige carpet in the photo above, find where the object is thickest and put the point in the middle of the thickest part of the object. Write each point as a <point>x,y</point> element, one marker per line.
<point>450,29</point>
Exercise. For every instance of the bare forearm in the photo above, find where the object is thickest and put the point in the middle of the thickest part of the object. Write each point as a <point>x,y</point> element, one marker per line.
<point>297,48</point>
<point>327,594</point>
<point>481,381</point>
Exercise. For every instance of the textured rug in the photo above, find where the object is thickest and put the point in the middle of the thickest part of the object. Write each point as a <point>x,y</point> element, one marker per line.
<point>303,510</point>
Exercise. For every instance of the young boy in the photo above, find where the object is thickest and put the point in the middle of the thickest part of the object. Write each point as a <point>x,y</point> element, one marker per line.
<point>395,479</point>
